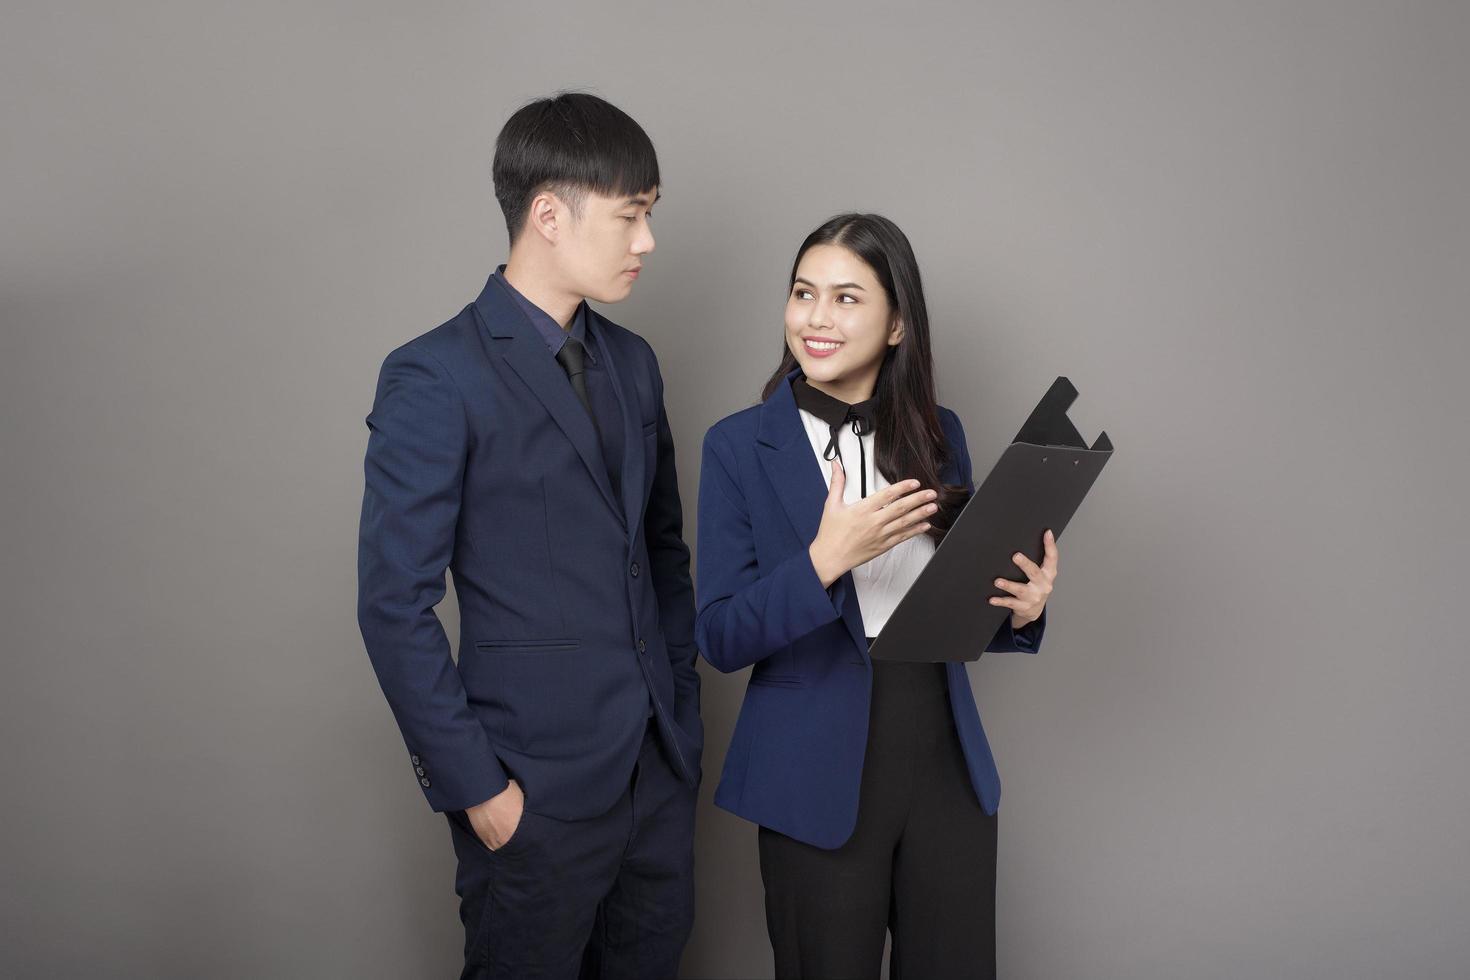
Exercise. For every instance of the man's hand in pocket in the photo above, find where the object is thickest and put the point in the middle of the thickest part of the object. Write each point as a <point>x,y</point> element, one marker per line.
<point>495,821</point>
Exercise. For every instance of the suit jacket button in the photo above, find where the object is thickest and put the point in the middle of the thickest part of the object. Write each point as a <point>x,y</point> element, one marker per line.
<point>634,569</point>
<point>424,781</point>
<point>419,770</point>
<point>415,759</point>
<point>642,646</point>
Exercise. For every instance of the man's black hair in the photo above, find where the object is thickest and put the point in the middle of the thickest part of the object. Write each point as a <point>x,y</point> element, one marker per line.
<point>570,143</point>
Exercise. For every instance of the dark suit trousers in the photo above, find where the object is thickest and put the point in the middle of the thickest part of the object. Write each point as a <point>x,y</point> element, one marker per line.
<point>920,864</point>
<point>611,897</point>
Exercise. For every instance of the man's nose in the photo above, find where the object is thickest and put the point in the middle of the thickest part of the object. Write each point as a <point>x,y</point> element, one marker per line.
<point>644,242</point>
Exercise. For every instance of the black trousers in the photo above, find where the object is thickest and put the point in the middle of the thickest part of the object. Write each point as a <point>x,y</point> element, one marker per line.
<point>611,897</point>
<point>921,863</point>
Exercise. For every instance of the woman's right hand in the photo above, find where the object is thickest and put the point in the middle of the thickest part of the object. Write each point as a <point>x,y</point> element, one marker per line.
<point>851,534</point>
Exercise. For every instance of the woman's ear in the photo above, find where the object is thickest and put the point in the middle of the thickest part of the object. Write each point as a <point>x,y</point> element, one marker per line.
<point>895,332</point>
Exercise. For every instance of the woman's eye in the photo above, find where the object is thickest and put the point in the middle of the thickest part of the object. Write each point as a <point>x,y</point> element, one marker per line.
<point>803,294</point>
<point>848,296</point>
<point>630,217</point>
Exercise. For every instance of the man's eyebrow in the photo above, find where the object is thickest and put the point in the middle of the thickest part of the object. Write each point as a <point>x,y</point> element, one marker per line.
<point>643,199</point>
<point>837,285</point>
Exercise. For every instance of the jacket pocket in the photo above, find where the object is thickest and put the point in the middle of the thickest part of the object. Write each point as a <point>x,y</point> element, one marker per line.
<point>546,697</point>
<point>528,645</point>
<point>776,680</point>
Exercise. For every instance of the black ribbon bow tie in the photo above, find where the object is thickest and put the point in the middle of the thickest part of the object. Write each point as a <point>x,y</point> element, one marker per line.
<point>861,417</point>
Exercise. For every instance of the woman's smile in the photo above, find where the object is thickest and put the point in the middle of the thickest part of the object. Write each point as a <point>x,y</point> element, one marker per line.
<point>820,348</point>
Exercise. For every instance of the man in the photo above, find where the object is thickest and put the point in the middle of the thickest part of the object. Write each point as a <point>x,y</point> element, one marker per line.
<point>524,446</point>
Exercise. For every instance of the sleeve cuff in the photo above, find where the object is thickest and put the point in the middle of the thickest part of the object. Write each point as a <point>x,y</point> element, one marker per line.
<point>1027,639</point>
<point>457,790</point>
<point>835,594</point>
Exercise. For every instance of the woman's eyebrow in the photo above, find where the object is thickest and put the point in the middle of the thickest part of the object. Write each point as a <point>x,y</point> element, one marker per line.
<point>837,285</point>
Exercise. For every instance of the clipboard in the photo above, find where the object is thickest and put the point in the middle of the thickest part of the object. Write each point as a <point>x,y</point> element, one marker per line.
<point>1038,483</point>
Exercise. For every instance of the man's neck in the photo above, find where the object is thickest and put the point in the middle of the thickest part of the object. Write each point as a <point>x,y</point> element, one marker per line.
<point>535,285</point>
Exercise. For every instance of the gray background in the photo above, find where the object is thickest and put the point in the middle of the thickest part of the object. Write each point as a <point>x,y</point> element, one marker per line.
<point>1240,228</point>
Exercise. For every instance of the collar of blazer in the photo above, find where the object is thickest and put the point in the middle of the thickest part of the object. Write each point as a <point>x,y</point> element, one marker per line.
<point>786,455</point>
<point>516,340</point>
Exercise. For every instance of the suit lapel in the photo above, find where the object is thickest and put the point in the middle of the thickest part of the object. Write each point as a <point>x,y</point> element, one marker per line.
<point>633,474</point>
<point>517,341</point>
<point>790,464</point>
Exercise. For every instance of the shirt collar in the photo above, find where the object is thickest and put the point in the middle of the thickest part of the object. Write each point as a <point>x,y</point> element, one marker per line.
<point>549,329</point>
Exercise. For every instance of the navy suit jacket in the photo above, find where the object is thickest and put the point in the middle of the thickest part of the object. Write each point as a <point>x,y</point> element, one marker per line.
<point>576,608</point>
<point>795,760</point>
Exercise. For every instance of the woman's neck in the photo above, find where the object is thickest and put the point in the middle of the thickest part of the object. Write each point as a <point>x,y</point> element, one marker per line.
<point>852,388</point>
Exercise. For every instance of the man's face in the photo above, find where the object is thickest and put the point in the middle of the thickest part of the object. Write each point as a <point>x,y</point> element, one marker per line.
<point>601,252</point>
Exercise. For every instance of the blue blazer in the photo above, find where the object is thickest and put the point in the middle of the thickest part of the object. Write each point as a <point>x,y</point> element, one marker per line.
<point>576,608</point>
<point>795,760</point>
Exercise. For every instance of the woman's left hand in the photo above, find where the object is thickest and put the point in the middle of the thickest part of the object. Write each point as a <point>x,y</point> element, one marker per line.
<point>1030,597</point>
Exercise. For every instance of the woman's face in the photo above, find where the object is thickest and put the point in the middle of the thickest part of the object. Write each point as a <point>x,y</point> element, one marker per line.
<point>839,323</point>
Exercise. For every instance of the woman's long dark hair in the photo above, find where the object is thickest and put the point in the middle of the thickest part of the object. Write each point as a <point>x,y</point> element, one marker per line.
<point>910,443</point>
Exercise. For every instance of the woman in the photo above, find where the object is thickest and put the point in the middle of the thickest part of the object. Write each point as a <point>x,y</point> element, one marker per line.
<point>872,782</point>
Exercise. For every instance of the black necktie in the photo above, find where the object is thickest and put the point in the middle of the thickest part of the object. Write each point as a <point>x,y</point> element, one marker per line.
<point>572,359</point>
<point>837,413</point>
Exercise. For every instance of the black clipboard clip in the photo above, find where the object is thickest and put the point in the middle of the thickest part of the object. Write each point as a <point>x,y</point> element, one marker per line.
<point>1049,425</point>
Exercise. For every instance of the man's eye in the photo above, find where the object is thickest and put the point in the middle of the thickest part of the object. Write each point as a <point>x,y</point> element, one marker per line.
<point>629,217</point>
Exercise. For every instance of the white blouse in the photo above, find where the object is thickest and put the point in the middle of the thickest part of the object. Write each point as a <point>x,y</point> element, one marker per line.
<point>881,582</point>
